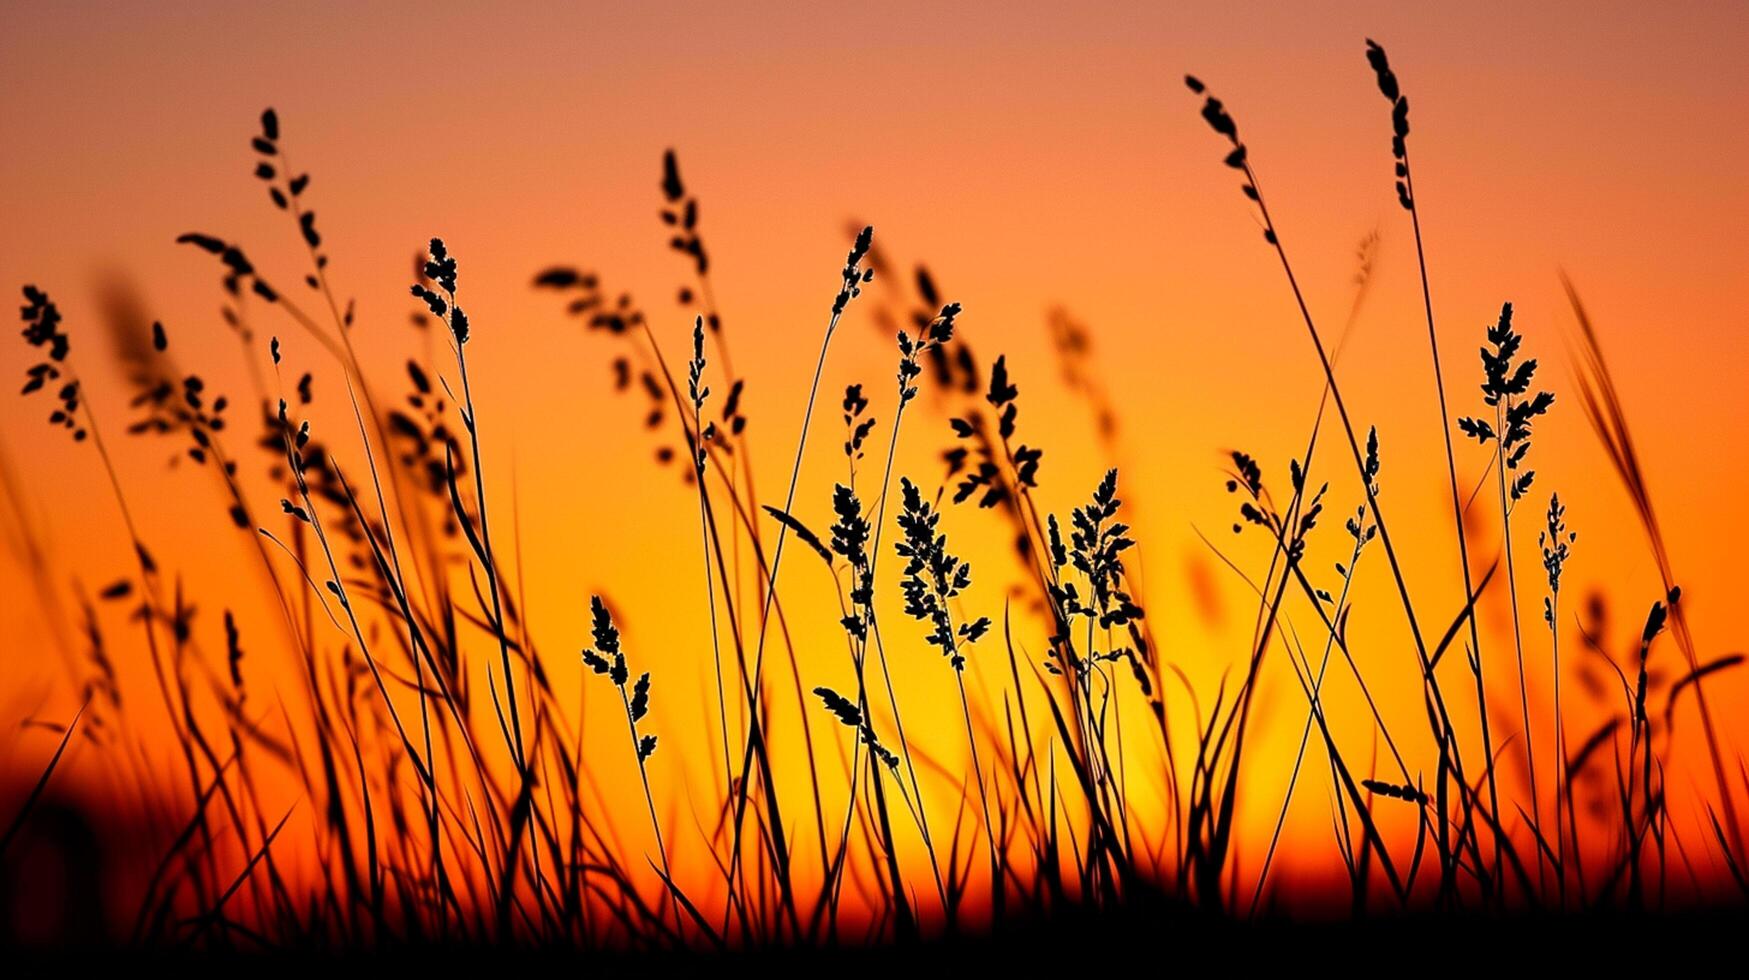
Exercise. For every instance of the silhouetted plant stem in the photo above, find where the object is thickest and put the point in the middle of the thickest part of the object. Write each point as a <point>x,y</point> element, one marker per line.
<point>419,651</point>
<point>649,799</point>
<point>905,924</point>
<point>1390,88</point>
<point>1314,690</point>
<point>291,200</point>
<point>1556,542</point>
<point>491,561</point>
<point>744,522</point>
<point>851,281</point>
<point>1518,641</point>
<point>934,334</point>
<point>1506,388</point>
<point>1475,657</point>
<point>910,766</point>
<point>997,885</point>
<point>1288,534</point>
<point>441,269</point>
<point>698,439</point>
<point>337,587</point>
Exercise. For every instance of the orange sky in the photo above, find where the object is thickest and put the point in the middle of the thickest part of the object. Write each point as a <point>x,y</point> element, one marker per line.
<point>1030,155</point>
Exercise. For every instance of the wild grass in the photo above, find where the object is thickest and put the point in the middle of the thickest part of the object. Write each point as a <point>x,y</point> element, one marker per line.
<point>1086,773</point>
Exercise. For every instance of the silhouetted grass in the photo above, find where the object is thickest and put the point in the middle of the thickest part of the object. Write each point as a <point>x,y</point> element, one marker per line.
<point>1086,789</point>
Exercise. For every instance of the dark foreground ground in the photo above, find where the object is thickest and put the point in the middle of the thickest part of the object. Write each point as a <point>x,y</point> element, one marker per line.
<point>1715,941</point>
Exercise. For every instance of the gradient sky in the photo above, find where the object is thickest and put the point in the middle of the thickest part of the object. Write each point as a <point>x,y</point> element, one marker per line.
<point>1031,154</point>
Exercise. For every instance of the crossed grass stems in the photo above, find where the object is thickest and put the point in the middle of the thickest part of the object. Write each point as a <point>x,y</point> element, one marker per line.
<point>507,848</point>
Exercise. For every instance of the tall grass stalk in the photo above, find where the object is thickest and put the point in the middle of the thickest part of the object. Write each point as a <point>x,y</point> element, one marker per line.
<point>851,279</point>
<point>1389,87</point>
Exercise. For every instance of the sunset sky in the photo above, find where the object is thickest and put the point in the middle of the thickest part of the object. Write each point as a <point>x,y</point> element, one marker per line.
<point>1034,156</point>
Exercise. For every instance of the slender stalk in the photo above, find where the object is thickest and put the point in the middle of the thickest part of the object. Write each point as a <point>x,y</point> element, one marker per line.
<point>490,560</point>
<point>700,455</point>
<point>849,288</point>
<point>650,801</point>
<point>1517,635</point>
<point>1475,658</point>
<point>1316,689</point>
<point>1559,751</point>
